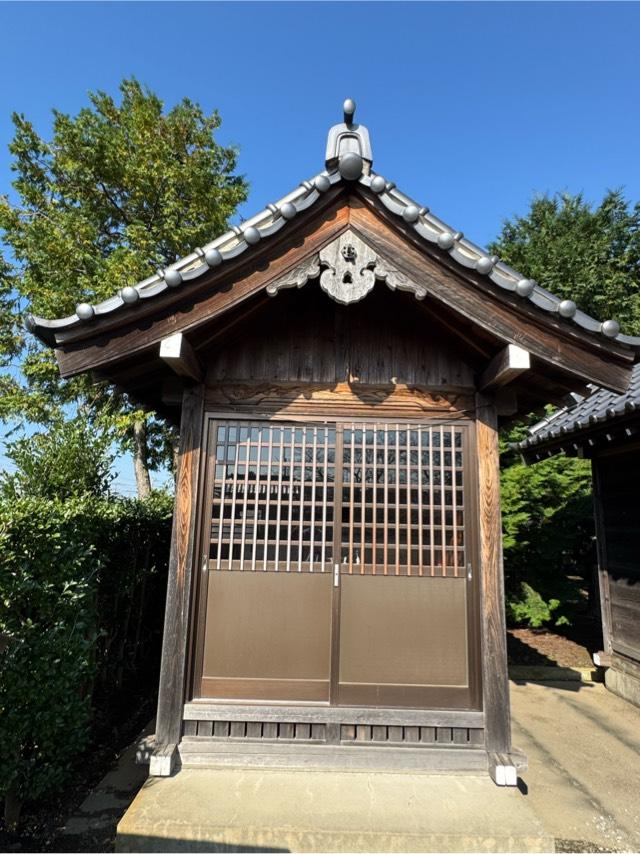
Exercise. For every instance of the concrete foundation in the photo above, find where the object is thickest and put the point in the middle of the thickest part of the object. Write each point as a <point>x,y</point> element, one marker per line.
<point>623,684</point>
<point>275,810</point>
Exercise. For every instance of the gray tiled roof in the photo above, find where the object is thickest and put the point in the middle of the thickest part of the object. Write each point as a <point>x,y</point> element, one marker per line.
<point>347,167</point>
<point>599,407</point>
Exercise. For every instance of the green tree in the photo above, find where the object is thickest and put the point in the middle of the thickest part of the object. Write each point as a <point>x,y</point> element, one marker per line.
<point>591,255</point>
<point>588,254</point>
<point>118,191</point>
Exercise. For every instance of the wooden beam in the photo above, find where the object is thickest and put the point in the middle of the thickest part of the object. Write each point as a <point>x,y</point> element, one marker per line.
<point>495,679</point>
<point>176,352</point>
<point>181,567</point>
<point>508,364</point>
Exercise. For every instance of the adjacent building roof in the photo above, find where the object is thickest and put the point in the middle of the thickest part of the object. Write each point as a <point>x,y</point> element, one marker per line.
<point>348,159</point>
<point>571,423</point>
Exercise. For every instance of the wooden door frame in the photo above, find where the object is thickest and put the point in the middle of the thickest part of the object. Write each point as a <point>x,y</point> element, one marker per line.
<point>199,589</point>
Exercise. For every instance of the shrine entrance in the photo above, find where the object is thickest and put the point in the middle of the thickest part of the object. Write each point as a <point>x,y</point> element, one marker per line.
<point>338,565</point>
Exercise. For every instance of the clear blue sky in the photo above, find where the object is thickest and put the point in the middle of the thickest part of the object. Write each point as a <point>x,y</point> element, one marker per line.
<point>472,107</point>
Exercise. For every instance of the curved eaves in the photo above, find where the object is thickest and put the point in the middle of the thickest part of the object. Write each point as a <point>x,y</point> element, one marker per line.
<point>268,222</point>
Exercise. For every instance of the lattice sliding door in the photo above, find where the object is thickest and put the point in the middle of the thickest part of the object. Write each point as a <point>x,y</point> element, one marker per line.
<point>337,564</point>
<point>403,500</point>
<point>273,498</point>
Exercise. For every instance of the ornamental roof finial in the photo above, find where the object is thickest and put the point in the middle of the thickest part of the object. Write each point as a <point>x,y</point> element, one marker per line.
<point>348,146</point>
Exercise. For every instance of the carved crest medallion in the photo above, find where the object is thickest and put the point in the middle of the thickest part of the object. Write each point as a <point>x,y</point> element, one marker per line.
<point>349,275</point>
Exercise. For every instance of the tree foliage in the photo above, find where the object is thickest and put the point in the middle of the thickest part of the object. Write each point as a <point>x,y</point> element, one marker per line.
<point>591,255</point>
<point>588,254</point>
<point>118,191</point>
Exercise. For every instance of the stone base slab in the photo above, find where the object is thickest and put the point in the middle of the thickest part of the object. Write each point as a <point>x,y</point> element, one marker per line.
<point>305,811</point>
<point>623,684</point>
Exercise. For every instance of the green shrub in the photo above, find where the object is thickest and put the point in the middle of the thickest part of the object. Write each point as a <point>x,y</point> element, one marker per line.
<point>532,609</point>
<point>47,574</point>
<point>82,575</point>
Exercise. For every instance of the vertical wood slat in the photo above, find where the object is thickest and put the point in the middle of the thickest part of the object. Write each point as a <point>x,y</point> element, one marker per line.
<point>420,523</point>
<point>267,508</point>
<point>494,644</point>
<point>301,498</point>
<point>314,474</point>
<point>279,503</point>
<point>269,729</point>
<point>432,546</point>
<point>397,525</point>
<point>303,732</point>
<point>325,487</point>
<point>290,505</point>
<point>221,729</point>
<point>238,729</point>
<point>352,475</point>
<point>285,730</point>
<point>427,734</point>
<point>190,728</point>
<point>395,733</point>
<point>245,497</point>
<point>443,508</point>
<point>234,488</point>
<point>454,502</point>
<point>181,562</point>
<point>257,494</point>
<point>363,501</point>
<point>374,503</point>
<point>408,502</point>
<point>205,728</point>
<point>386,501</point>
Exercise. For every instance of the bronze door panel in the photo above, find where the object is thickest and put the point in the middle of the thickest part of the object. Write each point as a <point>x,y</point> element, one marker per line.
<point>403,641</point>
<point>268,636</point>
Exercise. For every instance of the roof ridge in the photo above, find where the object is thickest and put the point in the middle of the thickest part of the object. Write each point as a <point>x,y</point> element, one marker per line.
<point>351,167</point>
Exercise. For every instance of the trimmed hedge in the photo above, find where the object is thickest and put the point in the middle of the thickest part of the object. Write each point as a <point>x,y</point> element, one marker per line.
<point>82,585</point>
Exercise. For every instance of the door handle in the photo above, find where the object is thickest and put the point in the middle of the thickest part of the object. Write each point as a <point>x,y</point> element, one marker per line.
<point>336,575</point>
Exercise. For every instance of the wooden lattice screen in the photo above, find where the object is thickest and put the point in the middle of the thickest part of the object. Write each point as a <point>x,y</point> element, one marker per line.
<point>382,499</point>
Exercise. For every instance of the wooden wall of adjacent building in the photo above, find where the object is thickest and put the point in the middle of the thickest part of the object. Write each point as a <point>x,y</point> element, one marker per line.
<point>617,476</point>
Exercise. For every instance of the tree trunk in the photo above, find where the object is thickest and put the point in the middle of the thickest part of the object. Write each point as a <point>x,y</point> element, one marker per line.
<point>141,468</point>
<point>12,809</point>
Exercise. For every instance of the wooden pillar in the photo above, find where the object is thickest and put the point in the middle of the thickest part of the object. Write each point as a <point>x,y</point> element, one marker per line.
<point>181,561</point>
<point>495,679</point>
<point>603,563</point>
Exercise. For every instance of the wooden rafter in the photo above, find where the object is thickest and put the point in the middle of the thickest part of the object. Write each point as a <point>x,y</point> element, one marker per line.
<point>179,355</point>
<point>508,364</point>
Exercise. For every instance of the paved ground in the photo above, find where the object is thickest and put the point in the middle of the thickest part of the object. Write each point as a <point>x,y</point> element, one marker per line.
<point>583,745</point>
<point>583,782</point>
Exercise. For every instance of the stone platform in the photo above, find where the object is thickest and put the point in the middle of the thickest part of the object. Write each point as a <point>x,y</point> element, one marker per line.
<point>234,809</point>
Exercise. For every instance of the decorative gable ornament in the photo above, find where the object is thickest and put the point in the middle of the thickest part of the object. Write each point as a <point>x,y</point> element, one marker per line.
<point>349,275</point>
<point>351,268</point>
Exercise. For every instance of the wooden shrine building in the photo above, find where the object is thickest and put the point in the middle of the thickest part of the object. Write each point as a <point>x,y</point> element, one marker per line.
<point>605,428</point>
<point>338,365</point>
